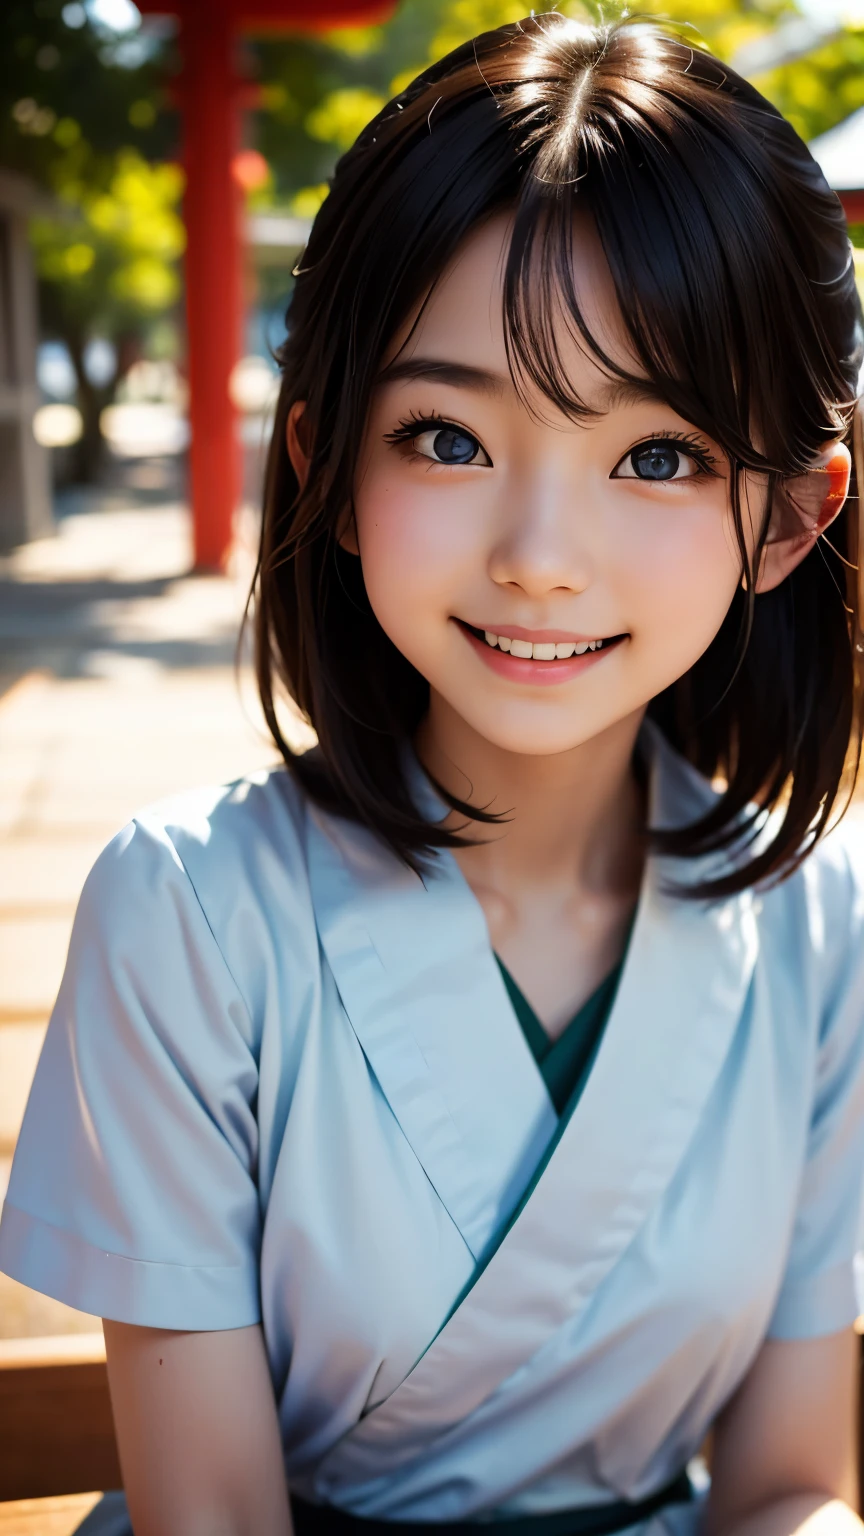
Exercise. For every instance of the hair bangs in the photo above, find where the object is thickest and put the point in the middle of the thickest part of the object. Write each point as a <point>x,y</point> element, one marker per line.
<point>693,285</point>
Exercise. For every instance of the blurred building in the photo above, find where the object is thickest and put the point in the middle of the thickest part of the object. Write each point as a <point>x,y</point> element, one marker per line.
<point>840,153</point>
<point>25,497</point>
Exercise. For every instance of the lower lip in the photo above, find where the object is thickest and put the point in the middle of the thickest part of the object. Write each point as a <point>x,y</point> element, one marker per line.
<point>521,669</point>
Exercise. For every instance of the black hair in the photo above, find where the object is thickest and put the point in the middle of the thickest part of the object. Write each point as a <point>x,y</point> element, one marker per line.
<point>733,273</point>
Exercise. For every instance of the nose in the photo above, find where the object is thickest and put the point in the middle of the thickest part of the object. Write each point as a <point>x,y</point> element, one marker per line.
<point>540,545</point>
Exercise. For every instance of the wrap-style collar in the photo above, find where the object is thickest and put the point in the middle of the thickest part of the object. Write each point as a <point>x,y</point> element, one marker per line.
<point>417,977</point>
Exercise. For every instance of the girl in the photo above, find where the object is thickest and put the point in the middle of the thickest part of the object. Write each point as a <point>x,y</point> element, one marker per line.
<point>457,1123</point>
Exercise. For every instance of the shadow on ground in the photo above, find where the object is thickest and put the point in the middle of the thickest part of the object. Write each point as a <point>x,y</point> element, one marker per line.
<point>58,625</point>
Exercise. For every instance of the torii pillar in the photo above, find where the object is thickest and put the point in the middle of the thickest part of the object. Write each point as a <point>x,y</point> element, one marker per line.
<point>210,96</point>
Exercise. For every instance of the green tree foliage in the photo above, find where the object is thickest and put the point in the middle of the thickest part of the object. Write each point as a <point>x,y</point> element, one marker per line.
<point>111,255</point>
<point>82,82</point>
<point>109,267</point>
<point>316,93</point>
<point>84,114</point>
<point>822,89</point>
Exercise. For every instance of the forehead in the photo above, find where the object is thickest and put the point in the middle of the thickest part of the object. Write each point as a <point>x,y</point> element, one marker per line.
<point>461,317</point>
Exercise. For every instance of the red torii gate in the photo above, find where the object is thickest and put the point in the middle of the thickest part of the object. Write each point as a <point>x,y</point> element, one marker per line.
<point>210,93</point>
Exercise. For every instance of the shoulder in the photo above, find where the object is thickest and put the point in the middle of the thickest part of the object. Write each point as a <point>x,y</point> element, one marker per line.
<point>213,834</point>
<point>836,864</point>
<point>831,882</point>
<point>233,837</point>
<point>221,865</point>
<point>817,914</point>
<point>810,924</point>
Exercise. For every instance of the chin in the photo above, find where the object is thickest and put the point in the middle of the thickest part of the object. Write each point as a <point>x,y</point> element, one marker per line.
<point>532,738</point>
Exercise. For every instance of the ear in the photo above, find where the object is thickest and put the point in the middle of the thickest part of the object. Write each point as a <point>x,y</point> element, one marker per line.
<point>807,505</point>
<point>299,447</point>
<point>297,441</point>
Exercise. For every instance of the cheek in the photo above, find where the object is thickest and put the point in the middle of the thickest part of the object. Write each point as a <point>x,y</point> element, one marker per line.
<point>680,571</point>
<point>416,547</point>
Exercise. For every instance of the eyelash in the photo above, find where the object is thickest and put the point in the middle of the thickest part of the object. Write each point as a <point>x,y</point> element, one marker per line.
<point>413,425</point>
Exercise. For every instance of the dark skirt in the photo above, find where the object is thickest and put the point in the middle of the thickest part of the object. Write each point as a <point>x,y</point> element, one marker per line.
<point>110,1517</point>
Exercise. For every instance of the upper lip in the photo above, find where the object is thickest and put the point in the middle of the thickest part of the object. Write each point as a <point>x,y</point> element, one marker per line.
<point>543,636</point>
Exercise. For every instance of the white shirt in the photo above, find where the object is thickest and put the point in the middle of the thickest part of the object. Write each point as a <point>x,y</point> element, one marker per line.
<point>283,1081</point>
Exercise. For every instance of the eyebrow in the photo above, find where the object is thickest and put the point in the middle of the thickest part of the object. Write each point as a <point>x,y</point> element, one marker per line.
<point>620,392</point>
<point>442,371</point>
<point>616,394</point>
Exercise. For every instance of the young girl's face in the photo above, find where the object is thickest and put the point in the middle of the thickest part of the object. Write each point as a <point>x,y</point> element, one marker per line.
<point>601,555</point>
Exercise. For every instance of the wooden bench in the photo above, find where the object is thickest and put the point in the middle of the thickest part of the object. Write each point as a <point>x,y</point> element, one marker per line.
<point>46,1517</point>
<point>57,1434</point>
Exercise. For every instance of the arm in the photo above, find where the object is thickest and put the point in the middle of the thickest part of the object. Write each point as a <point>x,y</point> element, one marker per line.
<point>197,1432</point>
<point>784,1456</point>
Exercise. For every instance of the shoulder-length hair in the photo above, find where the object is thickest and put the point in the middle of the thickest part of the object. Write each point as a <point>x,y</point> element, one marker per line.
<point>733,273</point>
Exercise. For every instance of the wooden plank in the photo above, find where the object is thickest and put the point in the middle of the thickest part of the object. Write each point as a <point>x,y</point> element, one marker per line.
<point>46,1517</point>
<point>63,1349</point>
<point>56,1427</point>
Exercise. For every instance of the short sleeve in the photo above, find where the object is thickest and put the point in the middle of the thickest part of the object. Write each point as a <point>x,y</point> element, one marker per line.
<point>818,1294</point>
<point>133,1189</point>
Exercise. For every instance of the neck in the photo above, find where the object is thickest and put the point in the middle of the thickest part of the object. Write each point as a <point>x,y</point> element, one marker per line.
<point>575,818</point>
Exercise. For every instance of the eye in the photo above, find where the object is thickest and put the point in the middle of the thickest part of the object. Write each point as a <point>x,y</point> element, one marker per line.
<point>450,445</point>
<point>442,442</point>
<point>663,459</point>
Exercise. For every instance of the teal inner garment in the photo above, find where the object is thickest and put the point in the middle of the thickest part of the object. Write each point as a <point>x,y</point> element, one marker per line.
<point>565,1066</point>
<point>565,1062</point>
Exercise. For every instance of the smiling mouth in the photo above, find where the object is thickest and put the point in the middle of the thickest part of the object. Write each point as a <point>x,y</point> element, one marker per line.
<point>544,650</point>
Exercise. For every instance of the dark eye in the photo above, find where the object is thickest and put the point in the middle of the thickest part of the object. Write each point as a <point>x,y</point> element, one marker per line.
<point>657,461</point>
<point>449,445</point>
<point>442,442</point>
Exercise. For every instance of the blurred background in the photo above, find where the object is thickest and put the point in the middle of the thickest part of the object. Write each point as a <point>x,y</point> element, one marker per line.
<point>159,168</point>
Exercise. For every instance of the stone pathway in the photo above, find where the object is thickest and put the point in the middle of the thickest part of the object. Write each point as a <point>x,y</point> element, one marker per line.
<point>117,686</point>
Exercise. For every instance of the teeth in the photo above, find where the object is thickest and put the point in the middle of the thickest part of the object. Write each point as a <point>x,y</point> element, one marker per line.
<point>541,650</point>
